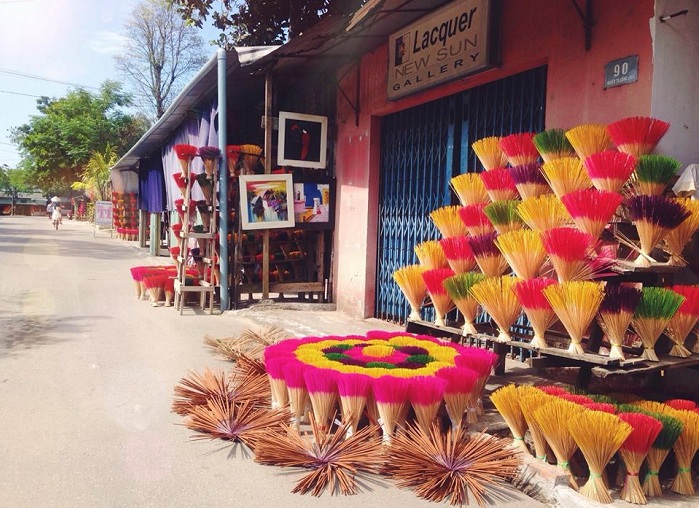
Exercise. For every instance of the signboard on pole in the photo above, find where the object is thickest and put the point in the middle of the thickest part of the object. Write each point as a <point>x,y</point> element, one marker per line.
<point>104,215</point>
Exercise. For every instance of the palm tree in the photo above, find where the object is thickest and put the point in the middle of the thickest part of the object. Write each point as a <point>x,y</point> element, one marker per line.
<point>94,180</point>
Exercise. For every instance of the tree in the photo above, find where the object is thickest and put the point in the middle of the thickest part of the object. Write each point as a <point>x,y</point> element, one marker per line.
<point>94,180</point>
<point>261,22</point>
<point>162,52</point>
<point>57,143</point>
<point>12,182</point>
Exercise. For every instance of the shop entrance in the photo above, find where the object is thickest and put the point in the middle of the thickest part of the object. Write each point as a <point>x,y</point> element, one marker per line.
<point>422,148</point>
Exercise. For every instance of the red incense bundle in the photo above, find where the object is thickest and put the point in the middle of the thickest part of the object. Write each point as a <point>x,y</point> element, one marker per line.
<point>529,180</point>
<point>519,148</point>
<point>181,182</point>
<point>637,135</point>
<point>487,255</point>
<point>353,390</point>
<point>391,395</point>
<point>296,386</point>
<point>482,362</point>
<point>592,209</point>
<point>536,307</point>
<point>610,170</point>
<point>684,320</point>
<point>441,300</point>
<point>475,220</point>
<point>275,373</point>
<point>605,407</point>
<point>569,251</point>
<point>499,184</point>
<point>458,253</point>
<point>645,430</point>
<point>426,394</point>
<point>185,154</point>
<point>681,404</point>
<point>459,392</point>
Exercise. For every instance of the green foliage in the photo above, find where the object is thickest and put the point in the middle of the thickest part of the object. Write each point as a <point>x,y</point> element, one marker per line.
<point>95,178</point>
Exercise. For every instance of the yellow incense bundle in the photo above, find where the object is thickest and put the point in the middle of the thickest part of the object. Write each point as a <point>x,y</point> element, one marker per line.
<point>506,401</point>
<point>470,189</point>
<point>531,399</point>
<point>489,152</point>
<point>410,281</point>
<point>566,175</point>
<point>589,139</point>
<point>678,237</point>
<point>431,255</point>
<point>543,213</point>
<point>685,449</point>
<point>523,250</point>
<point>448,221</point>
<point>496,296</point>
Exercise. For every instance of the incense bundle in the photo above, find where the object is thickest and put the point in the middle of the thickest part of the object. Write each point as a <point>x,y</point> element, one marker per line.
<point>496,296</point>
<point>672,428</point>
<point>529,180</point>
<point>610,170</point>
<point>654,217</point>
<point>251,156</point>
<point>353,390</point>
<point>637,135</point>
<point>653,313</point>
<point>448,222</point>
<point>503,215</point>
<point>298,394</point>
<point>531,399</point>
<point>185,154</point>
<point>482,362</point>
<point>653,173</point>
<point>681,404</point>
<point>553,144</point>
<point>321,385</point>
<point>576,398</point>
<point>438,295</point>
<point>523,250</point>
<point>575,303</point>
<point>488,257</point>
<point>196,389</point>
<point>536,307</point>
<point>459,289</point>
<point>431,255</point>
<point>588,139</point>
<point>410,281</point>
<point>605,407</point>
<point>391,395</point>
<point>181,182</point>
<point>569,251</point>
<point>543,213</point>
<point>506,401</point>
<point>551,418</point>
<point>275,373</point>
<point>678,238</point>
<point>598,435</point>
<point>425,395</point>
<point>459,392</point>
<point>519,148</point>
<point>458,253</point>
<point>552,390</point>
<point>499,184</point>
<point>684,320</point>
<point>592,209</point>
<point>489,152</point>
<point>209,156</point>
<point>566,175</point>
<point>645,430</point>
<point>615,313</point>
<point>685,449</point>
<point>475,220</point>
<point>470,189</point>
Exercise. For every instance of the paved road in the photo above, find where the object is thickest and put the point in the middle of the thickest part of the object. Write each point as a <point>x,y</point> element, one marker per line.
<point>86,379</point>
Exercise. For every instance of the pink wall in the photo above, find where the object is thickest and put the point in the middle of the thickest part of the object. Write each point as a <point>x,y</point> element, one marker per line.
<point>533,33</point>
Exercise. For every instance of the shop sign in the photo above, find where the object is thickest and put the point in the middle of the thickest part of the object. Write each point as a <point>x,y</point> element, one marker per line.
<point>450,43</point>
<point>621,72</point>
<point>103,213</point>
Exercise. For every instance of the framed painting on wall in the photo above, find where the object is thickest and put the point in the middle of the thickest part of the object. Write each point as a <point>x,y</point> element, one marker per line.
<point>314,202</point>
<point>264,201</point>
<point>303,140</point>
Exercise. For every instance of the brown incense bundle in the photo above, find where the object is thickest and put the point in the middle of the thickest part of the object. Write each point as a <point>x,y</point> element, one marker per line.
<point>543,213</point>
<point>410,281</point>
<point>448,222</point>
<point>677,238</point>
<point>523,250</point>
<point>566,175</point>
<point>637,135</point>
<point>431,255</point>
<point>496,296</point>
<point>489,152</point>
<point>470,189</point>
<point>588,139</point>
<point>519,148</point>
<point>506,401</point>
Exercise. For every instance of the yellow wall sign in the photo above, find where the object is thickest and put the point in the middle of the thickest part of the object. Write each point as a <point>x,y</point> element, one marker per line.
<point>450,43</point>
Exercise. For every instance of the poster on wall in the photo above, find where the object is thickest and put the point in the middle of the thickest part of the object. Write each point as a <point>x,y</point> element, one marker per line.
<point>314,200</point>
<point>264,201</point>
<point>452,42</point>
<point>302,140</point>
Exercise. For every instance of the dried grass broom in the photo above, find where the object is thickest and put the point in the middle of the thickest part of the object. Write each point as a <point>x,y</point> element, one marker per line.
<point>459,393</point>
<point>637,135</point>
<point>353,390</point>
<point>685,449</point>
<point>475,220</point>
<point>488,257</point>
<point>459,289</point>
<point>615,313</point>
<point>587,139</point>
<point>537,308</point>
<point>470,189</point>
<point>543,213</point>
<point>653,174</point>
<point>506,401</point>
<point>575,303</point>
<point>391,396</point>
<point>519,148</point>
<point>531,399</point>
<point>458,253</point>
<point>431,255</point>
<point>634,451</point>
<point>322,390</point>
<point>684,320</point>
<point>529,180</point>
<point>610,170</point>
<point>489,152</point>
<point>496,296</point>
<point>592,209</point>
<point>653,314</point>
<point>566,175</point>
<point>410,281</point>
<point>499,184</point>
<point>425,395</point>
<point>523,251</point>
<point>677,238</point>
<point>441,300</point>
<point>450,466</point>
<point>448,222</point>
<point>503,215</point>
<point>553,144</point>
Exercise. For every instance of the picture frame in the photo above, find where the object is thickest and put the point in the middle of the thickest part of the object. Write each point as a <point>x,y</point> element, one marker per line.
<point>264,201</point>
<point>314,202</point>
<point>302,140</point>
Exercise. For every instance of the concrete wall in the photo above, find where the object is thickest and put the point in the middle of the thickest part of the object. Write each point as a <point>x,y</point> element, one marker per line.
<point>533,33</point>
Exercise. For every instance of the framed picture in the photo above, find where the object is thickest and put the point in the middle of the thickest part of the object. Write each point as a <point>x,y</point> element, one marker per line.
<point>264,201</point>
<point>303,140</point>
<point>314,202</point>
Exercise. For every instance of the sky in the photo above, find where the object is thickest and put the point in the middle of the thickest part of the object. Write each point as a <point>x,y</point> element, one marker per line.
<point>71,41</point>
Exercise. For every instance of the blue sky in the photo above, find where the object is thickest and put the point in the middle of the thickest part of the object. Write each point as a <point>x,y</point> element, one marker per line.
<point>72,41</point>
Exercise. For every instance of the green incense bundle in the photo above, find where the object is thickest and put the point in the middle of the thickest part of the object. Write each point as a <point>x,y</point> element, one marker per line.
<point>653,313</point>
<point>503,214</point>
<point>553,144</point>
<point>653,173</point>
<point>459,289</point>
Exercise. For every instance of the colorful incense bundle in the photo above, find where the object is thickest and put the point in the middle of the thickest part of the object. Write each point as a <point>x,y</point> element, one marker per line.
<point>489,152</point>
<point>637,135</point>
<point>482,362</point>
<point>653,173</point>
<point>523,250</point>
<point>181,182</point>
<point>470,189</point>
<point>529,180</point>
<point>496,296</point>
<point>448,221</point>
<point>275,373</point>
<point>605,407</point>
<point>475,220</point>
<point>503,215</point>
<point>353,390</point>
<point>459,392</point>
<point>681,404</point>
<point>588,139</point>
<point>425,395</point>
<point>672,428</point>
<point>553,144</point>
<point>543,213</point>
<point>678,238</point>
<point>569,251</point>
<point>459,289</point>
<point>298,394</point>
<point>322,390</point>
<point>653,313</point>
<point>506,401</point>
<point>536,307</point>
<point>615,313</point>
<point>566,175</point>
<point>185,154</point>
<point>592,209</point>
<point>645,430</point>
<point>575,303</point>
<point>531,399</point>
<point>685,449</point>
<point>654,217</point>
<point>610,170</point>
<point>488,257</point>
<point>209,156</point>
<point>459,255</point>
<point>440,298</point>
<point>251,156</point>
<point>410,281</point>
<point>431,255</point>
<point>519,148</point>
<point>499,184</point>
<point>684,320</point>
<point>391,395</point>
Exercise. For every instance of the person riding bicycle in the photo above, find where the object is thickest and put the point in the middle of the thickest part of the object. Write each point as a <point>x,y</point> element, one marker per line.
<point>56,215</point>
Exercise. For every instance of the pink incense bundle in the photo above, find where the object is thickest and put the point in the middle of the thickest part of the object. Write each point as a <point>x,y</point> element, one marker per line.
<point>482,362</point>
<point>154,282</point>
<point>637,135</point>
<point>275,373</point>
<point>322,390</point>
<point>605,407</point>
<point>296,386</point>
<point>645,430</point>
<point>475,220</point>
<point>426,394</point>
<point>487,255</point>
<point>459,392</point>
<point>592,209</point>
<point>519,148</point>
<point>529,180</point>
<point>458,253</point>
<point>684,321</point>
<point>610,170</point>
<point>489,152</point>
<point>571,253</point>
<point>169,289</point>
<point>391,396</point>
<point>536,306</point>
<point>353,390</point>
<point>137,273</point>
<point>499,184</point>
<point>440,298</point>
